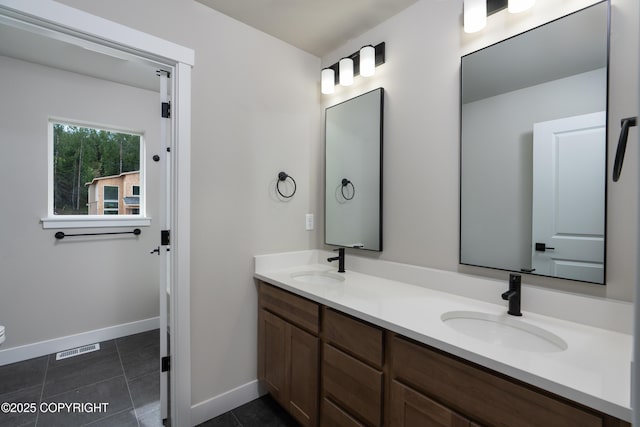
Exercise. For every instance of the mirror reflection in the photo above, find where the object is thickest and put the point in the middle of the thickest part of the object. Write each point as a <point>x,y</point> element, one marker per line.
<point>353,172</point>
<point>533,150</point>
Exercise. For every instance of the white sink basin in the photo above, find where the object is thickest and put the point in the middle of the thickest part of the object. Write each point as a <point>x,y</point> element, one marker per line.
<point>504,330</point>
<point>318,277</point>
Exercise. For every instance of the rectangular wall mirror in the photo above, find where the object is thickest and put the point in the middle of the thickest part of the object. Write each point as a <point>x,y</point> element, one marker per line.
<point>533,150</point>
<point>353,172</point>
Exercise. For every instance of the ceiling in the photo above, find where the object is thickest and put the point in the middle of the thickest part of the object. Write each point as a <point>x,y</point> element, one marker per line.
<point>28,43</point>
<point>315,26</point>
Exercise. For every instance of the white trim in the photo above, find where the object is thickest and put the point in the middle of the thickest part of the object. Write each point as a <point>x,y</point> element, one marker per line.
<point>80,221</point>
<point>226,401</point>
<point>180,268</point>
<point>86,220</point>
<point>66,20</point>
<point>42,348</point>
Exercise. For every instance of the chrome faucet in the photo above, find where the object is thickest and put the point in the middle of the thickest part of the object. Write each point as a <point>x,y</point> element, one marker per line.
<point>339,258</point>
<point>513,295</point>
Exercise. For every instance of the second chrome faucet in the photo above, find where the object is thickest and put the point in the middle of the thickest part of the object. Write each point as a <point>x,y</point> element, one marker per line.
<point>513,295</point>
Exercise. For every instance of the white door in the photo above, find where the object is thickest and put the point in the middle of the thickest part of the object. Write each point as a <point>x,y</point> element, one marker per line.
<point>164,248</point>
<point>568,197</point>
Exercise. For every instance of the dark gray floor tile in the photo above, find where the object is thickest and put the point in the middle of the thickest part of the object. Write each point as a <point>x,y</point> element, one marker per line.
<point>140,353</point>
<point>263,412</point>
<point>28,396</point>
<point>134,342</point>
<point>114,392</point>
<point>151,418</point>
<point>24,374</point>
<point>63,377</point>
<point>225,420</point>
<point>123,419</point>
<point>145,393</point>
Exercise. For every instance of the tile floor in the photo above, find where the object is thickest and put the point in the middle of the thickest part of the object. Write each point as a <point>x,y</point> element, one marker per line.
<point>124,373</point>
<point>263,412</point>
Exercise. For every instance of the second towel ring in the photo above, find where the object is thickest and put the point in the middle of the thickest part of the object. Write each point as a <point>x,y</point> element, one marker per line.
<point>282,176</point>
<point>345,183</point>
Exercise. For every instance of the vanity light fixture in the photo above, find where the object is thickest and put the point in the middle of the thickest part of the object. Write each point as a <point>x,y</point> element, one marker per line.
<point>362,62</point>
<point>346,72</point>
<point>476,11</point>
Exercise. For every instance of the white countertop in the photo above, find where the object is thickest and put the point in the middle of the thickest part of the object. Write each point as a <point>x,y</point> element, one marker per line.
<point>594,370</point>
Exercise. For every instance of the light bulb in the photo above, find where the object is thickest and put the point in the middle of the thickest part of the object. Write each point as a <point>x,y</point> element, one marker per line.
<point>475,15</point>
<point>367,61</point>
<point>327,81</point>
<point>346,71</point>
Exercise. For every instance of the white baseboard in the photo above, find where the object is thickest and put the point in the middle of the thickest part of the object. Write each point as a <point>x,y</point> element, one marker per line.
<point>225,402</point>
<point>42,348</point>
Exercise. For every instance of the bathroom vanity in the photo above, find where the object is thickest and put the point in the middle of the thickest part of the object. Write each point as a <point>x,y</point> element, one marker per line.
<point>335,351</point>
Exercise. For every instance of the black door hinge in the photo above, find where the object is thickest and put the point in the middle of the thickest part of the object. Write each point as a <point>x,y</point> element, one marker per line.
<point>166,110</point>
<point>165,237</point>
<point>166,364</point>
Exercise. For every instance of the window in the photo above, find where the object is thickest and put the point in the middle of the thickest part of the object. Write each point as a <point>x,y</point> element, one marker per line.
<point>110,200</point>
<point>91,171</point>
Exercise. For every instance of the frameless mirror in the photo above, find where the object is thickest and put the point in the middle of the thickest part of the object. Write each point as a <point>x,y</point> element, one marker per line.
<point>533,150</point>
<point>353,172</point>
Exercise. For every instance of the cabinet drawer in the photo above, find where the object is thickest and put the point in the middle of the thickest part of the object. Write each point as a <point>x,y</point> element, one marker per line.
<point>354,385</point>
<point>488,398</point>
<point>295,309</point>
<point>356,337</point>
<point>334,416</point>
<point>411,409</point>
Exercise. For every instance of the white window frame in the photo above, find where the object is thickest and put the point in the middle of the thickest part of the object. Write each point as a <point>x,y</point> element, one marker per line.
<point>94,221</point>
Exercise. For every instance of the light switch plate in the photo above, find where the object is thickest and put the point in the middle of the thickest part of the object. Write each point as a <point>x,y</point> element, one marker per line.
<point>309,221</point>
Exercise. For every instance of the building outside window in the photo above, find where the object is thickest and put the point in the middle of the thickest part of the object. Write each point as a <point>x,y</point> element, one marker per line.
<point>114,195</point>
<point>95,171</point>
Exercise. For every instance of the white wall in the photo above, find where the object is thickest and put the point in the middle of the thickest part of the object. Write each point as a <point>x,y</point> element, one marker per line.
<point>255,113</point>
<point>499,164</point>
<point>421,78</point>
<point>49,288</point>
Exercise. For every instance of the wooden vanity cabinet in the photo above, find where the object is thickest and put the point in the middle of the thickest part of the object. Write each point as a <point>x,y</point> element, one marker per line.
<point>349,373</point>
<point>429,383</point>
<point>352,376</point>
<point>288,351</point>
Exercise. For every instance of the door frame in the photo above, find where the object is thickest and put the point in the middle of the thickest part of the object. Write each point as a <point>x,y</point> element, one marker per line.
<point>58,20</point>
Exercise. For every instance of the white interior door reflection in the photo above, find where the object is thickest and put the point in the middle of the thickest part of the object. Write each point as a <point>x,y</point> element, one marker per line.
<point>569,159</point>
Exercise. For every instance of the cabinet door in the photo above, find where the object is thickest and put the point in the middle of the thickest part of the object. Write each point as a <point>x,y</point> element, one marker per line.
<point>354,385</point>
<point>303,376</point>
<point>272,355</point>
<point>412,409</point>
<point>334,416</point>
